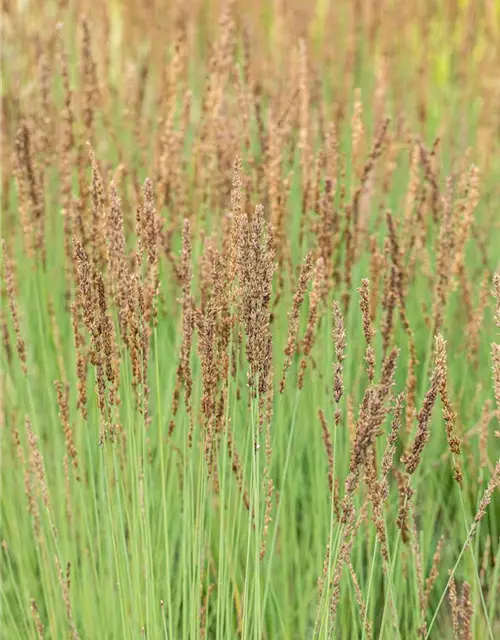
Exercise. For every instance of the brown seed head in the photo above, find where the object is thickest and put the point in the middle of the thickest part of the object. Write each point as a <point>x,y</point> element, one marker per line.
<point>486,499</point>
<point>62,400</point>
<point>496,293</point>
<point>466,612</point>
<point>36,464</point>
<point>412,458</point>
<point>37,620</point>
<point>65,583</point>
<point>314,303</point>
<point>368,330</point>
<point>99,249</point>
<point>12,294</point>
<point>327,441</point>
<point>339,341</point>
<point>455,612</point>
<point>293,322</point>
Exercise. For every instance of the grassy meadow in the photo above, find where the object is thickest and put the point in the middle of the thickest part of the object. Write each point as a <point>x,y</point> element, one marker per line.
<point>250,320</point>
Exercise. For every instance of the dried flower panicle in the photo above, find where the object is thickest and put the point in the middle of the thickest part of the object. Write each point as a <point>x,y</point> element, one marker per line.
<point>37,619</point>
<point>36,465</point>
<point>6,337</point>
<point>90,88</point>
<point>352,526</point>
<point>268,486</point>
<point>256,266</point>
<point>466,612</point>
<point>62,392</point>
<point>66,163</point>
<point>339,341</point>
<point>484,422</point>
<point>495,347</point>
<point>368,330</point>
<point>293,322</point>
<point>30,488</point>
<point>389,298</point>
<point>99,248</point>
<point>12,294</point>
<point>405,494</point>
<point>411,386</point>
<point>455,612</point>
<point>184,379</point>
<point>376,265</point>
<point>493,483</point>
<point>445,252</point>
<point>469,200</point>
<point>495,352</point>
<point>327,440</point>
<point>417,552</point>
<point>304,118</point>
<point>65,583</point>
<point>310,333</point>
<point>380,490</point>
<point>434,572</point>
<point>496,294</point>
<point>360,601</point>
<point>119,272</point>
<point>474,326</point>
<point>30,192</point>
<point>357,127</point>
<point>449,419</point>
<point>81,360</point>
<point>92,301</point>
<point>412,456</point>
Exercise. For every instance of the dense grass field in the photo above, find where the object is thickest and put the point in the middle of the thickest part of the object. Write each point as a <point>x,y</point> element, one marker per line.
<point>250,320</point>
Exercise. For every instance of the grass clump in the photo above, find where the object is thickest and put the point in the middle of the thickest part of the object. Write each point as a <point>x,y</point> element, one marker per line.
<point>250,364</point>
